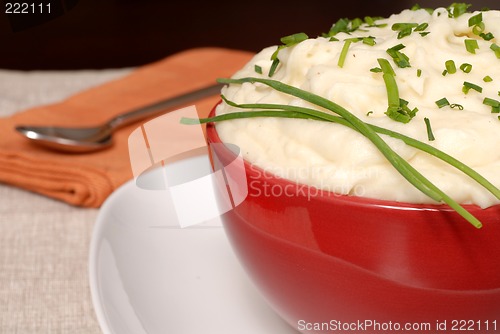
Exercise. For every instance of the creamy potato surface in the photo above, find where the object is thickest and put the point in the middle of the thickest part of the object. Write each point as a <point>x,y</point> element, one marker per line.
<point>333,157</point>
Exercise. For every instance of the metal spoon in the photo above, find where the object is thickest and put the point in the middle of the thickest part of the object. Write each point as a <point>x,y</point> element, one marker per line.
<point>81,140</point>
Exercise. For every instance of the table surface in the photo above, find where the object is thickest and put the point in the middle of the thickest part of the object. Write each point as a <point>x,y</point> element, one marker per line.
<point>44,244</point>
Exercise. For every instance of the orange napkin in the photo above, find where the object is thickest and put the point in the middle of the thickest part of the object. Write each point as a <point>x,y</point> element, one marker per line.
<point>87,179</point>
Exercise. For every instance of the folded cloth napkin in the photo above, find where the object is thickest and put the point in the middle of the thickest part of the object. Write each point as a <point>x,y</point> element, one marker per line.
<point>87,179</point>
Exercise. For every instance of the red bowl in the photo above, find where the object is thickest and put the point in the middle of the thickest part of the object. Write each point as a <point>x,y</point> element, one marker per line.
<point>328,262</point>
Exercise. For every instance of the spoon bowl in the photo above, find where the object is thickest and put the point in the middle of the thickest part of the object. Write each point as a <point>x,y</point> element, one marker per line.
<point>77,140</point>
<point>89,139</point>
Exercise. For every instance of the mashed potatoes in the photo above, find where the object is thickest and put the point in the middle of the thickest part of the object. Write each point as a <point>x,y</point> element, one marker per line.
<point>334,157</point>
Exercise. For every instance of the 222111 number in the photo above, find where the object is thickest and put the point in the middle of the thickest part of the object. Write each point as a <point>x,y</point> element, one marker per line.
<point>26,8</point>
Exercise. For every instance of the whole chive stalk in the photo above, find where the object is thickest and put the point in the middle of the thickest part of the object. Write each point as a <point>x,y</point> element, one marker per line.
<point>401,165</point>
<point>300,112</point>
<point>288,111</point>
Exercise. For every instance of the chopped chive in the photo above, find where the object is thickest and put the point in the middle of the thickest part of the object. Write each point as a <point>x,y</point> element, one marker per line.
<point>294,39</point>
<point>466,67</point>
<point>487,37</point>
<point>401,26</point>
<point>376,70</point>
<point>478,29</point>
<point>430,135</point>
<point>397,108</point>
<point>495,49</point>
<point>333,39</point>
<point>425,33</point>
<point>343,53</point>
<point>258,69</point>
<point>287,41</point>
<point>369,113</point>
<point>422,26</point>
<point>456,105</point>
<point>398,57</point>
<point>444,72</point>
<point>356,23</point>
<point>468,86</point>
<point>494,104</point>
<point>476,19</point>
<point>342,25</point>
<point>419,72</point>
<point>405,29</point>
<point>442,102</point>
<point>450,66</point>
<point>457,9</point>
<point>370,40</point>
<point>491,102</point>
<point>471,45</point>
<point>370,21</point>
<point>273,68</point>
<point>487,79</point>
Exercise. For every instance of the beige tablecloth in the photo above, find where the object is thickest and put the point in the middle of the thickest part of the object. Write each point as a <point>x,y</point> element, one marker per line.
<point>44,243</point>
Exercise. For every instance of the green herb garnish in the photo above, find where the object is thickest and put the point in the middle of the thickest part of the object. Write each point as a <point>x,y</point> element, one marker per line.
<point>487,37</point>
<point>475,20</point>
<point>457,9</point>
<point>287,41</point>
<point>343,53</point>
<point>478,29</point>
<point>487,79</point>
<point>450,66</point>
<point>442,102</point>
<point>344,25</point>
<point>494,104</point>
<point>399,58</point>
<point>430,135</point>
<point>468,86</point>
<point>471,45</point>
<point>405,29</point>
<point>495,48</point>
<point>466,67</point>
<point>397,108</point>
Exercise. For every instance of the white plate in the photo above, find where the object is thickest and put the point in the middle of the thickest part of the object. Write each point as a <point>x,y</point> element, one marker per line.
<point>147,275</point>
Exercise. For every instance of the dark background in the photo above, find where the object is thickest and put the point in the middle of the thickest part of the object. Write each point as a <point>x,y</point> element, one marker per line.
<point>84,34</point>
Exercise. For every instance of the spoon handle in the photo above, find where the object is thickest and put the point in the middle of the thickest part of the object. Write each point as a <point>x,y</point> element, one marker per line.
<point>158,107</point>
